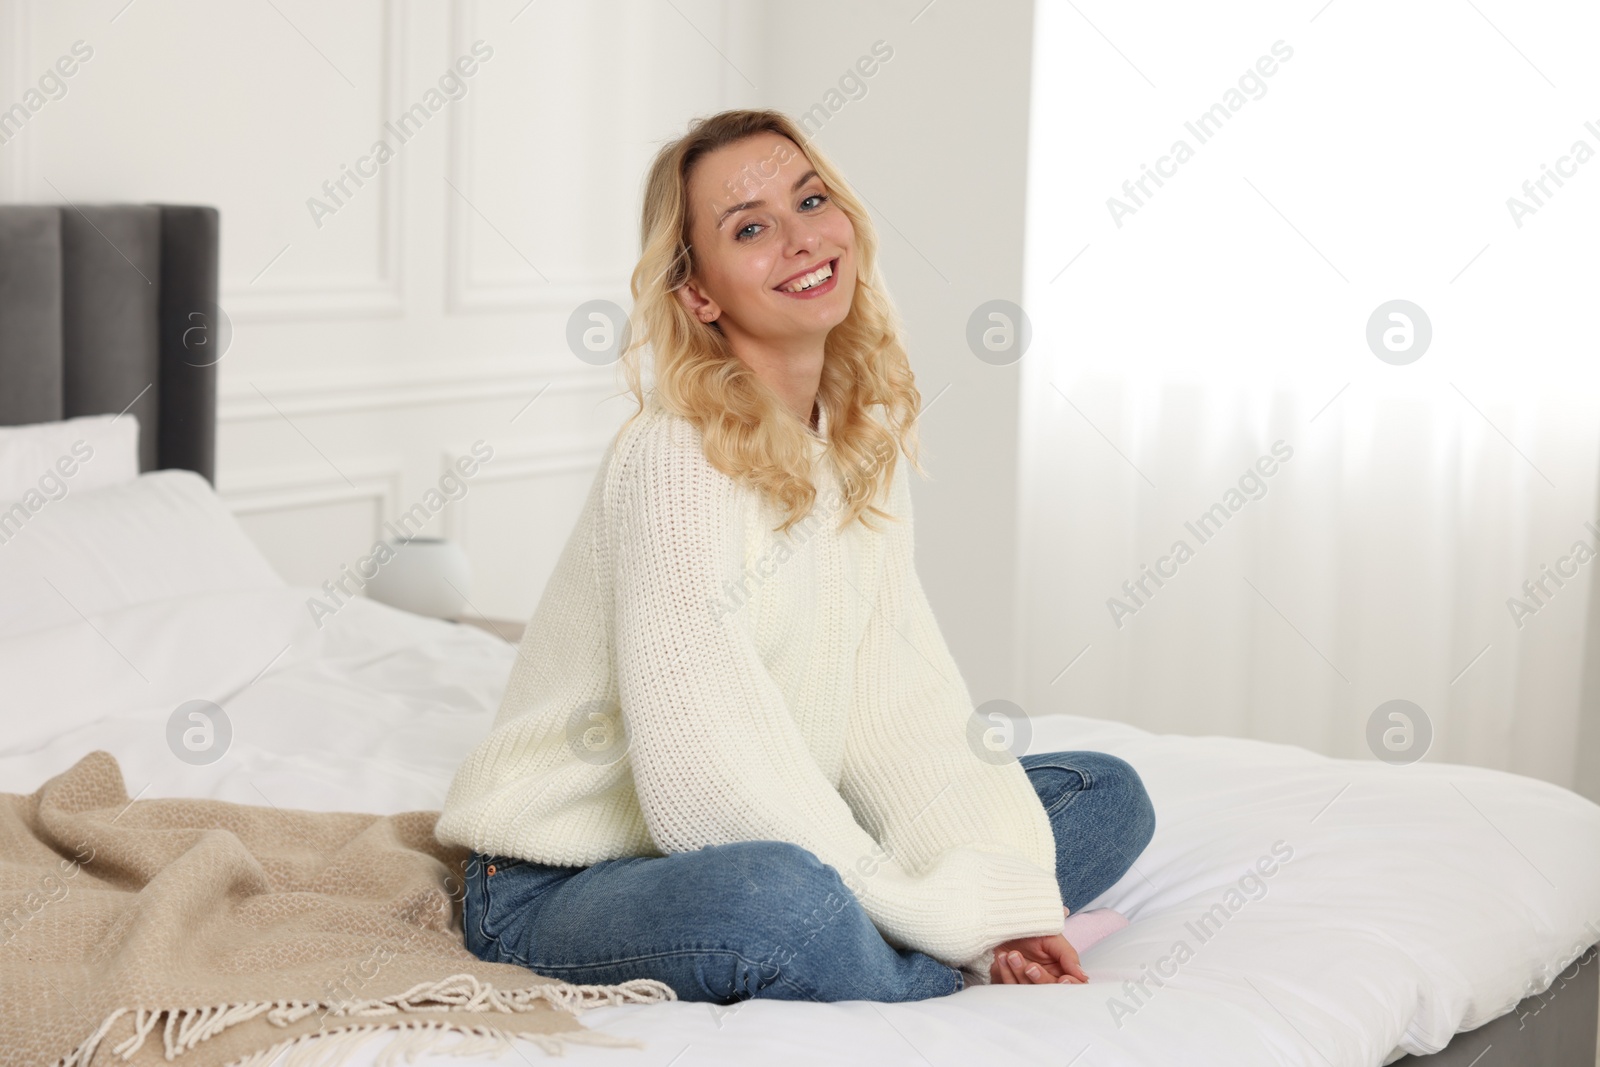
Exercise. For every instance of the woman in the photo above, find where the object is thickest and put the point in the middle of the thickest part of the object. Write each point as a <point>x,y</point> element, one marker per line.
<point>735,753</point>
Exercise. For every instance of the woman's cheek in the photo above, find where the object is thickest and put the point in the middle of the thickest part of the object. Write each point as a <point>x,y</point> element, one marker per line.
<point>759,268</point>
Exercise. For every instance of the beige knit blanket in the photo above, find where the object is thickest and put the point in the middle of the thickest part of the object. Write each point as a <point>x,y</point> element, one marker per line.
<point>159,931</point>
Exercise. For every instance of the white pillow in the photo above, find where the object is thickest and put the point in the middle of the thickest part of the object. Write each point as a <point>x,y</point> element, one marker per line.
<point>44,461</point>
<point>163,534</point>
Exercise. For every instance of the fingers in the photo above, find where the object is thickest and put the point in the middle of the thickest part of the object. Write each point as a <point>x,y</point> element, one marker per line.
<point>1047,961</point>
<point>1067,956</point>
<point>1021,970</point>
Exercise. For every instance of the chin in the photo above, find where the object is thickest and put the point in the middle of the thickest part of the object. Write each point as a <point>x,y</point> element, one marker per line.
<point>827,319</point>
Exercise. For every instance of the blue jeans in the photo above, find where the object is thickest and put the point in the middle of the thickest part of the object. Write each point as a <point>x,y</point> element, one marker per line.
<point>767,918</point>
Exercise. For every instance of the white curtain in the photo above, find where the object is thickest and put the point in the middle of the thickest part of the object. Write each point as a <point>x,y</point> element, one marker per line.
<point>1409,509</point>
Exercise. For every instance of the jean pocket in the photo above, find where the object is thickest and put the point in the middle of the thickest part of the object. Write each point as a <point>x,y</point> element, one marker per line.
<point>1057,785</point>
<point>511,888</point>
<point>493,865</point>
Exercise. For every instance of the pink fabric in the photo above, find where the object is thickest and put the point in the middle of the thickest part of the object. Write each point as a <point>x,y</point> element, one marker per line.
<point>1087,927</point>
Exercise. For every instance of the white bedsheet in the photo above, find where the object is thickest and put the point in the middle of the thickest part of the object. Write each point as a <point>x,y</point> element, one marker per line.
<point>1418,901</point>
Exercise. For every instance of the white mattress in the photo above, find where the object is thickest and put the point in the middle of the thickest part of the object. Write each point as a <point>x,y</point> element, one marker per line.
<point>1418,901</point>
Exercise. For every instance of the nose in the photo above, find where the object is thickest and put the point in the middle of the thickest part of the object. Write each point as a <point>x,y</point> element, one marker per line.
<point>800,240</point>
<point>800,237</point>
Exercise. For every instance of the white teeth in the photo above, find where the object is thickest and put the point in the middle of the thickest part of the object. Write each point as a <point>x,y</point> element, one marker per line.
<point>816,277</point>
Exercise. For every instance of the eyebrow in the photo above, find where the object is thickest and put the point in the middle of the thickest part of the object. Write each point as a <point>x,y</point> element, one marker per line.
<point>735,209</point>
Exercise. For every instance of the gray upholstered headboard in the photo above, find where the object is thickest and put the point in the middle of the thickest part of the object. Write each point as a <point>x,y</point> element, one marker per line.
<point>100,304</point>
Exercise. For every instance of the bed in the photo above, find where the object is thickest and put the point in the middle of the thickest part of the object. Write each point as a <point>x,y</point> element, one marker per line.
<point>1331,911</point>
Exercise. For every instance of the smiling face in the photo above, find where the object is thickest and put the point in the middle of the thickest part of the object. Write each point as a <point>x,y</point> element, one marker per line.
<point>774,257</point>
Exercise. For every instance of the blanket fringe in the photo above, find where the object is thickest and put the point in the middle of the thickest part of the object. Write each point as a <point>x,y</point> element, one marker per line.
<point>414,1036</point>
<point>186,1028</point>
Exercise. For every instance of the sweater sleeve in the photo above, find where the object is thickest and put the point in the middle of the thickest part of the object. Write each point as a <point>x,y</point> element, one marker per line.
<point>717,757</point>
<point>917,773</point>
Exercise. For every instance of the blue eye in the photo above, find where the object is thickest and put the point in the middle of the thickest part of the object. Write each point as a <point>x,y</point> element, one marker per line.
<point>743,233</point>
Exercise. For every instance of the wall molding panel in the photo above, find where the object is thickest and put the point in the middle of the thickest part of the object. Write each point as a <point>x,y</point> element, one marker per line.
<point>383,295</point>
<point>510,465</point>
<point>378,346</point>
<point>388,388</point>
<point>466,293</point>
<point>288,488</point>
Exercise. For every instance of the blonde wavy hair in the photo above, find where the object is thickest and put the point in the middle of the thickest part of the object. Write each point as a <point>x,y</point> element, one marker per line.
<point>747,431</point>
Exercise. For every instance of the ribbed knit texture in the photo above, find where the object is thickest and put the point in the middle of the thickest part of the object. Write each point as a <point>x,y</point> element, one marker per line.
<point>692,678</point>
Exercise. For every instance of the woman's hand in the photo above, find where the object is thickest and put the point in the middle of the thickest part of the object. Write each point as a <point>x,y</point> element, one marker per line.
<point>1044,960</point>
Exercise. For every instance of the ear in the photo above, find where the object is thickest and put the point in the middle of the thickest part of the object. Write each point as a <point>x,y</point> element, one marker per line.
<point>699,304</point>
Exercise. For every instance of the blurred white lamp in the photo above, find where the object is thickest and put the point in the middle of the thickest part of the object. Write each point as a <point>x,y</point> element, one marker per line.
<point>426,576</point>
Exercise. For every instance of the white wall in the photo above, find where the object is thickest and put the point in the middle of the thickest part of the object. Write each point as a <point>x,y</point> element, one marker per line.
<point>430,308</point>
<point>374,345</point>
<point>938,146</point>
<point>1176,342</point>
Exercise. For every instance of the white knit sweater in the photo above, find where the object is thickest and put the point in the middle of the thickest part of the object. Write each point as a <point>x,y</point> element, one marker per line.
<point>692,678</point>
